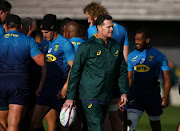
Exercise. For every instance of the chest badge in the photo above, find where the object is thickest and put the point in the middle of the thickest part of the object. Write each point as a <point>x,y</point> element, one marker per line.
<point>150,58</point>
<point>56,47</point>
<point>99,52</point>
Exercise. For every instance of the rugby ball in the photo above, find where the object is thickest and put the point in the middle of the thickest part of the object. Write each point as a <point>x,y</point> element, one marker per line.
<point>67,117</point>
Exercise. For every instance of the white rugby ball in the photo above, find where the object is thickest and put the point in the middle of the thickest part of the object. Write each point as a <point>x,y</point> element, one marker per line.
<point>67,117</point>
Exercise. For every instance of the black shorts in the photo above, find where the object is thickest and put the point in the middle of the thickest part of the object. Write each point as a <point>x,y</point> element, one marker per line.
<point>14,90</point>
<point>48,95</point>
<point>151,104</point>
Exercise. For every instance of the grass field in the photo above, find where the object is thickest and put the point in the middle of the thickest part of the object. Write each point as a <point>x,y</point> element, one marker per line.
<point>169,120</point>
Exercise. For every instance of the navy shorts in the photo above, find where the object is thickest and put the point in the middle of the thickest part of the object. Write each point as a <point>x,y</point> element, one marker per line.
<point>152,104</point>
<point>14,90</point>
<point>48,95</point>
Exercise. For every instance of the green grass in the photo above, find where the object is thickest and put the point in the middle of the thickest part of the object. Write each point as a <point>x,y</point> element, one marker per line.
<point>169,120</point>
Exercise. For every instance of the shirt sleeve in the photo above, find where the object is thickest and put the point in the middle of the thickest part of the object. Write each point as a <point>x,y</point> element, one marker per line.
<point>76,71</point>
<point>163,64</point>
<point>126,38</point>
<point>69,51</point>
<point>34,49</point>
<point>130,68</point>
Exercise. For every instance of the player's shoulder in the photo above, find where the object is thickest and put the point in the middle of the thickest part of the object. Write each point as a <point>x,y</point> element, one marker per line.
<point>92,28</point>
<point>157,52</point>
<point>61,40</point>
<point>118,26</point>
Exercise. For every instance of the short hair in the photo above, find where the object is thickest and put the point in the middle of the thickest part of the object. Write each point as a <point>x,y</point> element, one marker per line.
<point>146,32</point>
<point>63,23</point>
<point>7,5</point>
<point>2,5</point>
<point>101,18</point>
<point>37,33</point>
<point>26,22</point>
<point>95,9</point>
<point>13,21</point>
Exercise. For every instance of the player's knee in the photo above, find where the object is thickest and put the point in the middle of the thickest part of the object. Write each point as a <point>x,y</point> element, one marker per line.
<point>132,122</point>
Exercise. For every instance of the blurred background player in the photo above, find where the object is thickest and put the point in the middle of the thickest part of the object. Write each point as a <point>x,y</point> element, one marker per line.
<point>92,11</point>
<point>63,24</point>
<point>16,49</point>
<point>55,75</point>
<point>28,25</point>
<point>5,8</point>
<point>144,67</point>
<point>72,33</point>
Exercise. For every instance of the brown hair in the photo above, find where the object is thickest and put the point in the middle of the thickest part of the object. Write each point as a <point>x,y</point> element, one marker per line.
<point>95,9</point>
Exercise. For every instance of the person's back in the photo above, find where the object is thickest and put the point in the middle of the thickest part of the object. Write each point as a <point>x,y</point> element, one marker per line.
<point>72,32</point>
<point>15,52</point>
<point>16,49</point>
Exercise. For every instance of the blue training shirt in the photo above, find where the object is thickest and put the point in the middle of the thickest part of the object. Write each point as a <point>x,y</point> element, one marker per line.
<point>2,31</point>
<point>119,33</point>
<point>76,41</point>
<point>59,53</point>
<point>16,49</point>
<point>146,67</point>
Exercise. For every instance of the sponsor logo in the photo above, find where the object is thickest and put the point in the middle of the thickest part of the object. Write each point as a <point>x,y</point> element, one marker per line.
<point>134,59</point>
<point>50,58</point>
<point>90,105</point>
<point>141,68</point>
<point>8,35</point>
<point>150,58</point>
<point>56,47</point>
<point>116,53</point>
<point>99,52</point>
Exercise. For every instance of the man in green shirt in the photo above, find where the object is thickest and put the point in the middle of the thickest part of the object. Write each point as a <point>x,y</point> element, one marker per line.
<point>99,64</point>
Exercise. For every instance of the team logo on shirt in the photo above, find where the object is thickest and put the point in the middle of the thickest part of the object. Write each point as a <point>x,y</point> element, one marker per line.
<point>99,52</point>
<point>116,53</point>
<point>134,59</point>
<point>50,58</point>
<point>142,60</point>
<point>56,47</point>
<point>141,68</point>
<point>8,35</point>
<point>150,58</point>
<point>50,49</point>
